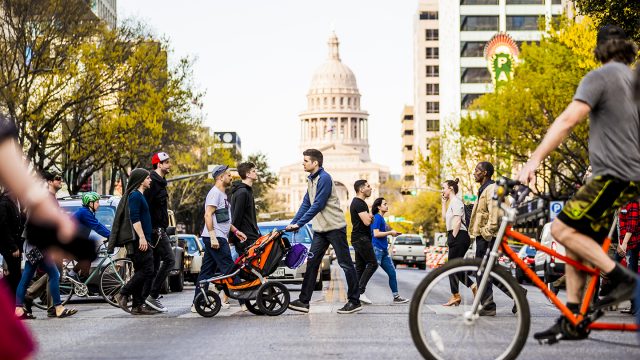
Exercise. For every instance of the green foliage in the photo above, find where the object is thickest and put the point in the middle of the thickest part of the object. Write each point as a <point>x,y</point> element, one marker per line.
<point>625,14</point>
<point>424,210</point>
<point>429,164</point>
<point>266,181</point>
<point>511,122</point>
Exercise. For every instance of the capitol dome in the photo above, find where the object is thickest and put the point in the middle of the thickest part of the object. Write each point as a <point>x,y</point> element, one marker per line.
<point>333,76</point>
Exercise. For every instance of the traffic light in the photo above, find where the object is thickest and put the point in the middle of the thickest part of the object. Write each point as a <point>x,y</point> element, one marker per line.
<point>409,191</point>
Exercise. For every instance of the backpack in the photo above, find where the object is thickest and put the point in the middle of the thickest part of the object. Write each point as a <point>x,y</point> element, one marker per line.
<point>468,209</point>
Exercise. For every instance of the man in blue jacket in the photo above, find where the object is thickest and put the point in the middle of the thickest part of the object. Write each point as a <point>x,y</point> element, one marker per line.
<point>86,215</point>
<point>322,206</point>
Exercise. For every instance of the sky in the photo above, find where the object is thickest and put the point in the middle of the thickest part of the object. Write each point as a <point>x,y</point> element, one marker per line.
<point>255,60</point>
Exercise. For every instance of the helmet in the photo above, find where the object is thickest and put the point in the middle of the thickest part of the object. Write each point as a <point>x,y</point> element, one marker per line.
<point>90,197</point>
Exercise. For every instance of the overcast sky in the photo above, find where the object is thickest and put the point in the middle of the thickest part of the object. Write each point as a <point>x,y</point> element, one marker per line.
<point>255,60</point>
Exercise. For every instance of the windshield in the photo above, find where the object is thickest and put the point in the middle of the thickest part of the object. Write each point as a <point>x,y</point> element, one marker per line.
<point>190,241</point>
<point>302,236</point>
<point>105,214</point>
<point>408,240</point>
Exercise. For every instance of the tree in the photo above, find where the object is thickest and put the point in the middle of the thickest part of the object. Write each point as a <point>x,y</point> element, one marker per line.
<point>625,14</point>
<point>424,210</point>
<point>510,123</point>
<point>266,181</point>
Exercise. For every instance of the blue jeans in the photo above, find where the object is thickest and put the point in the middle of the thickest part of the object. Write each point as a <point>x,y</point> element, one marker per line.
<point>27,275</point>
<point>214,261</point>
<point>385,262</point>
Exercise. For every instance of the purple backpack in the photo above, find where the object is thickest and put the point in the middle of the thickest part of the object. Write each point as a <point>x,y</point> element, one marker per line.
<point>296,256</point>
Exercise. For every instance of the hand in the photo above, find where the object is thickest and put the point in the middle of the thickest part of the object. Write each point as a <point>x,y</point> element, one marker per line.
<point>527,174</point>
<point>143,245</point>
<point>394,233</point>
<point>16,253</point>
<point>371,217</point>
<point>241,236</point>
<point>215,244</point>
<point>292,227</point>
<point>621,250</point>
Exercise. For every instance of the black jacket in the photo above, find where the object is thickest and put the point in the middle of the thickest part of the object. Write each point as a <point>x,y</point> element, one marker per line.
<point>10,226</point>
<point>243,214</point>
<point>158,200</point>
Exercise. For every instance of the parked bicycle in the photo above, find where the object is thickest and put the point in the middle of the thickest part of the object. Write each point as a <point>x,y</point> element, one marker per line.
<point>459,332</point>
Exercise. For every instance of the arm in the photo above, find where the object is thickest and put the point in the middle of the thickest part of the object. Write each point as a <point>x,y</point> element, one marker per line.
<point>90,221</point>
<point>378,224</point>
<point>135,214</point>
<point>456,222</point>
<point>306,203</point>
<point>238,204</point>
<point>630,225</point>
<point>365,217</point>
<point>489,230</point>
<point>325,185</point>
<point>209,223</point>
<point>576,112</point>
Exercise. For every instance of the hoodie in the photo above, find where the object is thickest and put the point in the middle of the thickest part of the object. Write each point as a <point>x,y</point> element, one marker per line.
<point>122,230</point>
<point>157,198</point>
<point>243,214</point>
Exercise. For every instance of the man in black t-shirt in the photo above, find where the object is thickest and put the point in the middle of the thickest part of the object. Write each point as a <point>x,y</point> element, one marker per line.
<point>361,219</point>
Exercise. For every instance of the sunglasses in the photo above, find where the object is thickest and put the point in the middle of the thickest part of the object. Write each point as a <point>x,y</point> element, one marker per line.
<point>57,178</point>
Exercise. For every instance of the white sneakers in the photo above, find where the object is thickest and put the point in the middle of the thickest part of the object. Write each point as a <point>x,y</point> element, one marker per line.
<point>365,300</point>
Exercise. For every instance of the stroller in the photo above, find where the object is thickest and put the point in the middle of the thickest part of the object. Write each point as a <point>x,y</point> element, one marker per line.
<point>263,297</point>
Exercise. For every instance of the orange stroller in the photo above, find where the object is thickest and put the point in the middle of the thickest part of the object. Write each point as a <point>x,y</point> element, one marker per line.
<point>262,296</point>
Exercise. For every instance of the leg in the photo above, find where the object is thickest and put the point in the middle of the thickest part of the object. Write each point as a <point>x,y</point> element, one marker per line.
<point>143,266</point>
<point>387,265</point>
<point>364,250</point>
<point>164,252</point>
<point>338,239</point>
<point>360,261</point>
<point>27,275</point>
<point>482,246</point>
<point>208,265</point>
<point>54,282</point>
<point>319,246</point>
<point>579,247</point>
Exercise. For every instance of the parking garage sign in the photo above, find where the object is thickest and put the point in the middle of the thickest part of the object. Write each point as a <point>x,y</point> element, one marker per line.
<point>554,209</point>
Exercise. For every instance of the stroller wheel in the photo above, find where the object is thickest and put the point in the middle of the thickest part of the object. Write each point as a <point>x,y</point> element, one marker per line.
<point>273,298</point>
<point>209,306</point>
<point>252,306</point>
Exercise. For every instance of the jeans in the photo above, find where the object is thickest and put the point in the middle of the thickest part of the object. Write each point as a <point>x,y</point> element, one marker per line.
<point>366,263</point>
<point>319,245</point>
<point>142,276</point>
<point>54,281</point>
<point>214,261</point>
<point>458,246</point>
<point>163,262</point>
<point>383,258</point>
<point>482,246</point>
<point>632,264</point>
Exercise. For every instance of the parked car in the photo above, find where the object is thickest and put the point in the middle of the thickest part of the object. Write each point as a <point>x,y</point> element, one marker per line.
<point>194,252</point>
<point>527,254</point>
<point>548,267</point>
<point>105,215</point>
<point>303,236</point>
<point>409,249</point>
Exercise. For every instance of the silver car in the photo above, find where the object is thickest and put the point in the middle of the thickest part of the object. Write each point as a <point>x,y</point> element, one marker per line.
<point>194,252</point>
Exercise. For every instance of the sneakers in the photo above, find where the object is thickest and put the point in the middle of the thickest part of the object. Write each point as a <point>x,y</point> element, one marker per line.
<point>398,300</point>
<point>298,305</point>
<point>193,309</point>
<point>365,300</point>
<point>561,330</point>
<point>143,310</point>
<point>487,312</point>
<point>123,302</point>
<point>154,304</point>
<point>225,304</point>
<point>243,307</point>
<point>350,308</point>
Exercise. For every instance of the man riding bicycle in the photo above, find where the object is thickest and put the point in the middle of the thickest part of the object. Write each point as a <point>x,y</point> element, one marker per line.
<point>86,216</point>
<point>606,95</point>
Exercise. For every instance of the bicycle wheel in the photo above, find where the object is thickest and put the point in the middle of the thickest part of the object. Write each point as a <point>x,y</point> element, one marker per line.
<point>453,332</point>
<point>113,277</point>
<point>66,292</point>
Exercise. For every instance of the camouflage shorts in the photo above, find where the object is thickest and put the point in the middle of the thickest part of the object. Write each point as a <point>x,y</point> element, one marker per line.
<point>592,208</point>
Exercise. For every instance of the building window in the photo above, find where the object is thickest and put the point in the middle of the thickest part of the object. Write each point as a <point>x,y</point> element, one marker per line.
<point>431,34</point>
<point>479,2</point>
<point>428,15</point>
<point>525,2</point>
<point>472,48</point>
<point>432,52</point>
<point>479,23</point>
<point>515,23</point>
<point>467,99</point>
<point>475,75</point>
<point>433,125</point>
<point>408,132</point>
<point>433,89</point>
<point>433,70</point>
<point>433,107</point>
<point>408,147</point>
<point>408,117</point>
<point>408,163</point>
<point>408,178</point>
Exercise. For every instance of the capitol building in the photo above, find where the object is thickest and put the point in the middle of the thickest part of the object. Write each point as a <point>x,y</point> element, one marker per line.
<point>335,124</point>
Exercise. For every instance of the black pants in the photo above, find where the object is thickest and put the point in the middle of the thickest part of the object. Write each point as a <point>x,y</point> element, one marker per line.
<point>319,245</point>
<point>366,263</point>
<point>142,276</point>
<point>163,262</point>
<point>458,246</point>
<point>15,272</point>
<point>482,246</point>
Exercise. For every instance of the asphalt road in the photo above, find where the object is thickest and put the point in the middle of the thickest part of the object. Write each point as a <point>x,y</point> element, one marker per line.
<point>380,331</point>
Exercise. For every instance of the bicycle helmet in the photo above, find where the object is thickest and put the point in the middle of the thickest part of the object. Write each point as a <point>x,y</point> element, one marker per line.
<point>90,197</point>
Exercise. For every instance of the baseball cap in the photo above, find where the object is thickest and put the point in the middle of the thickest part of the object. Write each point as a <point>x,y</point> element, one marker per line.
<point>217,170</point>
<point>159,157</point>
<point>610,32</point>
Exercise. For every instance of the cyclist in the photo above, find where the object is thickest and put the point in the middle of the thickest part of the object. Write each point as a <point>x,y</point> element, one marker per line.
<point>606,95</point>
<point>86,216</point>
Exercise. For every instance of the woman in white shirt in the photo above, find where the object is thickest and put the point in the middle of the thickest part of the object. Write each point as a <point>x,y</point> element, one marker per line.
<point>457,237</point>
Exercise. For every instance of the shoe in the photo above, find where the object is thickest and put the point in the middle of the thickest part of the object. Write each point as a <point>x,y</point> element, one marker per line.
<point>561,330</point>
<point>193,309</point>
<point>154,304</point>
<point>474,289</point>
<point>487,312</point>
<point>28,305</point>
<point>51,312</point>
<point>365,300</point>
<point>399,300</point>
<point>226,305</point>
<point>618,292</point>
<point>349,308</point>
<point>123,302</point>
<point>514,309</point>
<point>454,301</point>
<point>243,307</point>
<point>298,305</point>
<point>143,310</point>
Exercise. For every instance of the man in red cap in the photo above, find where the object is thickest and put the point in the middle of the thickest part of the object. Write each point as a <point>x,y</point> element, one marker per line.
<point>158,199</point>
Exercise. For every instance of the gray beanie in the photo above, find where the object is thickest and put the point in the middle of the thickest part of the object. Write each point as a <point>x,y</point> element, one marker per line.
<point>136,178</point>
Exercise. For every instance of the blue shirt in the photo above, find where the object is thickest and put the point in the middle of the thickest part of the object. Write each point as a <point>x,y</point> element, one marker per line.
<point>88,219</point>
<point>381,225</point>
<point>139,212</point>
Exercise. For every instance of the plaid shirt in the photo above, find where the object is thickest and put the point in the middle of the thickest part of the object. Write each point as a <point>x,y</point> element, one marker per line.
<point>630,222</point>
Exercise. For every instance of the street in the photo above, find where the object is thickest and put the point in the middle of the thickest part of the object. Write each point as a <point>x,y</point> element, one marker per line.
<point>380,331</point>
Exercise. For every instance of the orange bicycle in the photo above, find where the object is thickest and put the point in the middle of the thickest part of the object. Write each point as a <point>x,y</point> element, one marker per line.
<point>448,332</point>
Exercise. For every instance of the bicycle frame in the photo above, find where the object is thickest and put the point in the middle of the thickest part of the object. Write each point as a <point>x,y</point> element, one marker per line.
<point>505,232</point>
